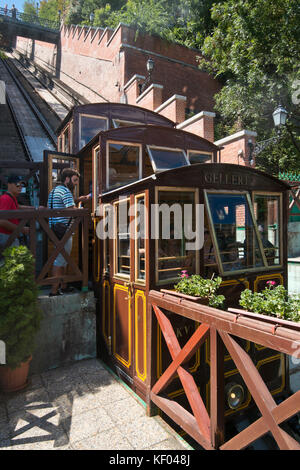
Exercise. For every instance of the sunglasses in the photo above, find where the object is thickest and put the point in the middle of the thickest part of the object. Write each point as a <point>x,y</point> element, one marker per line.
<point>19,185</point>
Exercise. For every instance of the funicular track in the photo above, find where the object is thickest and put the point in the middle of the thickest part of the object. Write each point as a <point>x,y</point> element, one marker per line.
<point>32,127</point>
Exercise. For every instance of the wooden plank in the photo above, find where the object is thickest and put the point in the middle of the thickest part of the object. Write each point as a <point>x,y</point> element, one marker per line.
<point>257,388</point>
<point>217,407</point>
<point>187,380</point>
<point>185,354</point>
<point>282,412</point>
<point>183,418</point>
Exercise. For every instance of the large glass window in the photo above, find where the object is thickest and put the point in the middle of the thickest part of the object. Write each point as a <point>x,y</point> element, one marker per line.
<point>122,238</point>
<point>267,213</point>
<point>89,126</point>
<point>164,158</point>
<point>199,157</point>
<point>175,224</point>
<point>235,231</point>
<point>140,238</point>
<point>123,164</point>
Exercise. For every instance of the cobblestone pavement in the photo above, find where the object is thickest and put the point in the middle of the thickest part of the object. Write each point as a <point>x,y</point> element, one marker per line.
<point>82,406</point>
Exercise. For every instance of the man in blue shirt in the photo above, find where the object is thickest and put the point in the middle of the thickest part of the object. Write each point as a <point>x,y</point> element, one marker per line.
<point>61,197</point>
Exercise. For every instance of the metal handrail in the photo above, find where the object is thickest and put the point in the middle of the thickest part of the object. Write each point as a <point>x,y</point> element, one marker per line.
<point>30,19</point>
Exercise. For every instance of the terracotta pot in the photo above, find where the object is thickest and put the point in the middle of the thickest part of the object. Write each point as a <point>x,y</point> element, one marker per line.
<point>12,380</point>
<point>199,300</point>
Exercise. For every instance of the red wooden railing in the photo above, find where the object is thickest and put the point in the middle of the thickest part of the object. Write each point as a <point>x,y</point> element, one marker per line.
<point>37,220</point>
<point>208,429</point>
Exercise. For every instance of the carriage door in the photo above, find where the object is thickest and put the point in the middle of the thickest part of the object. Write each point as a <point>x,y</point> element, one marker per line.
<point>128,290</point>
<point>54,163</point>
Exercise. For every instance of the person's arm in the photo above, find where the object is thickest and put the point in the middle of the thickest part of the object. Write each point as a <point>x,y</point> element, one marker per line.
<point>7,225</point>
<point>82,198</point>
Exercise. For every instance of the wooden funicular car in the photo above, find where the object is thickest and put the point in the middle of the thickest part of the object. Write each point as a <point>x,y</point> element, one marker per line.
<point>145,175</point>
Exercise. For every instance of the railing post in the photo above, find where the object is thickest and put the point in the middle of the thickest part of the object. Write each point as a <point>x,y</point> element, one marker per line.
<point>151,408</point>
<point>216,388</point>
<point>85,252</point>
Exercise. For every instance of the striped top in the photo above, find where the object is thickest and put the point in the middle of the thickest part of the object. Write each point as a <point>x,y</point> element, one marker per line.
<point>60,198</point>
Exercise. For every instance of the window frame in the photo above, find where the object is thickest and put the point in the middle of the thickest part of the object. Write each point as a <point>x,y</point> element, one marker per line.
<point>105,118</point>
<point>214,238</point>
<point>201,152</point>
<point>131,123</point>
<point>140,159</point>
<point>158,189</point>
<point>138,280</point>
<point>274,193</point>
<point>116,274</point>
<point>158,147</point>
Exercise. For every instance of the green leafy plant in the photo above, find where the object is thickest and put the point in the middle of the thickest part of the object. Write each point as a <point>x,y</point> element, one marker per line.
<point>197,286</point>
<point>20,314</point>
<point>273,300</point>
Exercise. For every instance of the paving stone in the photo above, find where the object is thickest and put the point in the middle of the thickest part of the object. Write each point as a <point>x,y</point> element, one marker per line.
<point>88,424</point>
<point>74,405</point>
<point>4,430</point>
<point>3,414</point>
<point>169,444</point>
<point>22,399</point>
<point>144,432</point>
<point>109,393</point>
<point>126,410</point>
<point>112,439</point>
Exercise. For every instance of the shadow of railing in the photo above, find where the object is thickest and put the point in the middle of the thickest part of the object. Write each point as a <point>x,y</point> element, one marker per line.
<point>224,329</point>
<point>40,233</point>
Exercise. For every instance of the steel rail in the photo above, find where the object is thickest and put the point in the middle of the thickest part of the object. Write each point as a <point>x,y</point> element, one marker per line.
<point>50,134</point>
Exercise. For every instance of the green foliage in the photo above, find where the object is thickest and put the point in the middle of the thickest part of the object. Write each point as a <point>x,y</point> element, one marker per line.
<point>197,286</point>
<point>20,314</point>
<point>29,8</point>
<point>49,9</point>
<point>274,301</point>
<point>254,49</point>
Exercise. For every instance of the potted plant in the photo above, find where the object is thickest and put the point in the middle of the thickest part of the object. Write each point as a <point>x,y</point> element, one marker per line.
<point>199,289</point>
<point>273,300</point>
<point>19,316</point>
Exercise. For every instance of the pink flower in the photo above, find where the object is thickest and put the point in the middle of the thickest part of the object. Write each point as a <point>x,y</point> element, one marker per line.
<point>271,283</point>
<point>184,273</point>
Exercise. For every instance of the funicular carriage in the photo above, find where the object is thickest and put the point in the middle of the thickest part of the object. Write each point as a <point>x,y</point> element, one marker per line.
<point>132,159</point>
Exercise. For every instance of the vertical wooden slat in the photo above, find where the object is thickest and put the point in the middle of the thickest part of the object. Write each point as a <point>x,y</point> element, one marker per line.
<point>216,388</point>
<point>85,252</point>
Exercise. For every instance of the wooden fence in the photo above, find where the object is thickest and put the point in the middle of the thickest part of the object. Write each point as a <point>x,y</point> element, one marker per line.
<point>208,429</point>
<point>37,220</point>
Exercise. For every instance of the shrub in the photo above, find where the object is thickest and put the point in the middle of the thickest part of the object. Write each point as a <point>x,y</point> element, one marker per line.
<point>274,301</point>
<point>199,287</point>
<point>20,314</point>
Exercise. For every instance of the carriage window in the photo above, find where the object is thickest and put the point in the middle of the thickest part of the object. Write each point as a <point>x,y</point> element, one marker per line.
<point>123,166</point>
<point>198,157</point>
<point>89,127</point>
<point>107,214</point>
<point>164,159</point>
<point>96,190</point>
<point>235,232</point>
<point>122,241</point>
<point>119,123</point>
<point>140,230</point>
<point>59,141</point>
<point>66,140</point>
<point>267,213</point>
<point>172,254</point>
